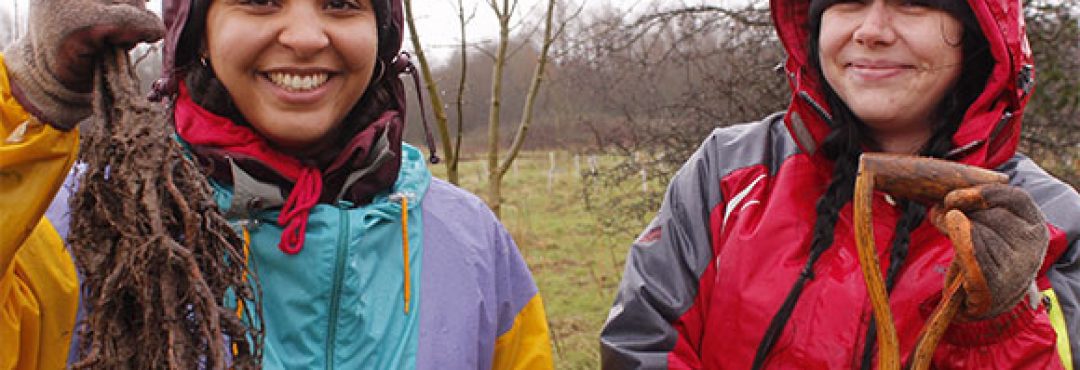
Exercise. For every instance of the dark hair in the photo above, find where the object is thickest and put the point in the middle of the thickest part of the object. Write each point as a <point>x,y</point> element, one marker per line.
<point>844,143</point>
<point>208,92</point>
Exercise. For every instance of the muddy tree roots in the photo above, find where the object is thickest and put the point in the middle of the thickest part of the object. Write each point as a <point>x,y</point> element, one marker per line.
<point>163,271</point>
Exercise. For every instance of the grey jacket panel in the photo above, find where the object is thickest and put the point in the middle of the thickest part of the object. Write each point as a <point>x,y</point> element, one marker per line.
<point>1061,205</point>
<point>660,280</point>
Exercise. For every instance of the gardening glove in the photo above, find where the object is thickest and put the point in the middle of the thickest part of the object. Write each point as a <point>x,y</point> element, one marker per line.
<point>1009,237</point>
<point>52,66</point>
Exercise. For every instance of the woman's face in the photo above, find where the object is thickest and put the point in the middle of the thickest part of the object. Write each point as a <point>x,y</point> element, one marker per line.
<point>294,68</point>
<point>891,61</point>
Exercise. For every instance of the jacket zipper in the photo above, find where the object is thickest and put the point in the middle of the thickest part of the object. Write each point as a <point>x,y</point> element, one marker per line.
<point>338,277</point>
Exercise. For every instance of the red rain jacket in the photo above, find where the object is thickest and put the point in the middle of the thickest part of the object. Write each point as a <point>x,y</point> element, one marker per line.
<point>707,275</point>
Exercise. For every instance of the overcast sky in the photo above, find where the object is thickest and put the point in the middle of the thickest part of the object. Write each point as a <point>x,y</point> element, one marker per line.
<point>437,19</point>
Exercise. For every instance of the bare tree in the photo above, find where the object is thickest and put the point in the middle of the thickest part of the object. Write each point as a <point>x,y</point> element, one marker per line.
<point>459,101</point>
<point>451,155</point>
<point>498,166</point>
<point>16,30</point>
<point>650,88</point>
<point>7,35</point>
<point>505,12</point>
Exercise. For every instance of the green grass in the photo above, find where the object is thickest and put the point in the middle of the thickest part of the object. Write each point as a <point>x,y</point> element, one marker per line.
<point>576,265</point>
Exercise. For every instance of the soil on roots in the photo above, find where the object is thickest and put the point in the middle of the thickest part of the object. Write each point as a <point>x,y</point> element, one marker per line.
<point>163,271</point>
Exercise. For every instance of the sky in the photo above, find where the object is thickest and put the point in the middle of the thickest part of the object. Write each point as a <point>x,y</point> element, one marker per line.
<point>437,19</point>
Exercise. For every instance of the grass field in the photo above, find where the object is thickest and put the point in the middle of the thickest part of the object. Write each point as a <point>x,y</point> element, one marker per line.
<point>576,265</point>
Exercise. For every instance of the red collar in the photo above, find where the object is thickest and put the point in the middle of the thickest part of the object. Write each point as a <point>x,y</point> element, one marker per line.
<point>199,127</point>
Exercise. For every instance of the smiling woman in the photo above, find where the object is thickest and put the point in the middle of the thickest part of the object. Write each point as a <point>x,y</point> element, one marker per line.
<point>751,261</point>
<point>294,111</point>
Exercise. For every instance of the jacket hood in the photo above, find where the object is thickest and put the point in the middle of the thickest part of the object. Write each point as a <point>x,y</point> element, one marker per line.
<point>990,130</point>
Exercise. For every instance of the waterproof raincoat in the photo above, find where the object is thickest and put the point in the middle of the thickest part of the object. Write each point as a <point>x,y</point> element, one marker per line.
<point>705,278</point>
<point>394,269</point>
<point>38,285</point>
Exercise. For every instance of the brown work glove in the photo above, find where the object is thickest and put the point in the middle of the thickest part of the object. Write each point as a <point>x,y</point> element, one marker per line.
<point>51,67</point>
<point>1009,236</point>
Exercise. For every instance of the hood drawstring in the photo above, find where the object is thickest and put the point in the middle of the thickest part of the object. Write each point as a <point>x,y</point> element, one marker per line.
<point>294,214</point>
<point>404,64</point>
<point>407,285</point>
<point>405,247</point>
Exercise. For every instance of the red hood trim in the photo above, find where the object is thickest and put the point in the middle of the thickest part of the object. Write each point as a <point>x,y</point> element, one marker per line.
<point>991,139</point>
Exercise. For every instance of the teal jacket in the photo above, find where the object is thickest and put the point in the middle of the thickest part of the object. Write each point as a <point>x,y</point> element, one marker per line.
<point>340,303</point>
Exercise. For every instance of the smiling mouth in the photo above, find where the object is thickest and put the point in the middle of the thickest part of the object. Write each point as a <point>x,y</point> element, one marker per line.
<point>878,65</point>
<point>298,83</point>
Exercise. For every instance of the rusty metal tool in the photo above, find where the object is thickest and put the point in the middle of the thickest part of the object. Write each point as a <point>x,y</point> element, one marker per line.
<point>928,181</point>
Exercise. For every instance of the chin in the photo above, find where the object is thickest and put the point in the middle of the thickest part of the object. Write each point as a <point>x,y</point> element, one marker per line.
<point>875,113</point>
<point>296,138</point>
<point>291,141</point>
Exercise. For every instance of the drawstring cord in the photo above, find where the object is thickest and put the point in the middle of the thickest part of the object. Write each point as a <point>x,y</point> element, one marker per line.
<point>404,64</point>
<point>407,284</point>
<point>294,215</point>
<point>405,247</point>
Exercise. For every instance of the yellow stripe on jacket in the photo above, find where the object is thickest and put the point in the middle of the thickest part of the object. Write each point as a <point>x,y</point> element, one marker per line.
<point>1057,319</point>
<point>38,285</point>
<point>526,345</point>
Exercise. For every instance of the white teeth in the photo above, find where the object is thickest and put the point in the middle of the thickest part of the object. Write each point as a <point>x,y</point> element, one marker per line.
<point>293,82</point>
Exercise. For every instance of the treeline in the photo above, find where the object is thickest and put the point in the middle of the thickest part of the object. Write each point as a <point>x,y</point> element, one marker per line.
<point>659,81</point>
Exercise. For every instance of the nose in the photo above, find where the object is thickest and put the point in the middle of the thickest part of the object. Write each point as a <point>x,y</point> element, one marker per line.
<point>876,28</point>
<point>304,32</point>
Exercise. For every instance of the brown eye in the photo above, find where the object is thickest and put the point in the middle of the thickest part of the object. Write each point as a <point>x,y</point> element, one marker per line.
<point>257,3</point>
<point>342,5</point>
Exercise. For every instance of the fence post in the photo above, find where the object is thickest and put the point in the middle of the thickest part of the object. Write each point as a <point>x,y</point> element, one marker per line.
<point>551,170</point>
<point>481,175</point>
<point>577,164</point>
<point>644,173</point>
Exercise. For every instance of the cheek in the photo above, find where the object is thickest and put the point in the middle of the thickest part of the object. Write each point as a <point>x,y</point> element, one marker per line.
<point>234,42</point>
<point>939,50</point>
<point>943,38</point>
<point>833,35</point>
<point>831,66</point>
<point>360,53</point>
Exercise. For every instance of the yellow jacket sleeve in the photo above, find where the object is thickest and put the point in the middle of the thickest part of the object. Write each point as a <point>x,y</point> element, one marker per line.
<point>38,285</point>
<point>34,160</point>
<point>526,346</point>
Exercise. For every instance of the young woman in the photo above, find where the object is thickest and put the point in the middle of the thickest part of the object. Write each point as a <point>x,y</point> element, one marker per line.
<point>751,261</point>
<point>296,110</point>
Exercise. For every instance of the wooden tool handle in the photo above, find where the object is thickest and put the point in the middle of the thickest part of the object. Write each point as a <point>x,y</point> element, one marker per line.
<point>922,179</point>
<point>928,181</point>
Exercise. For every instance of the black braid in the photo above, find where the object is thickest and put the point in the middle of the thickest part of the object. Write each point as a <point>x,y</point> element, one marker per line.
<point>842,146</point>
<point>913,214</point>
